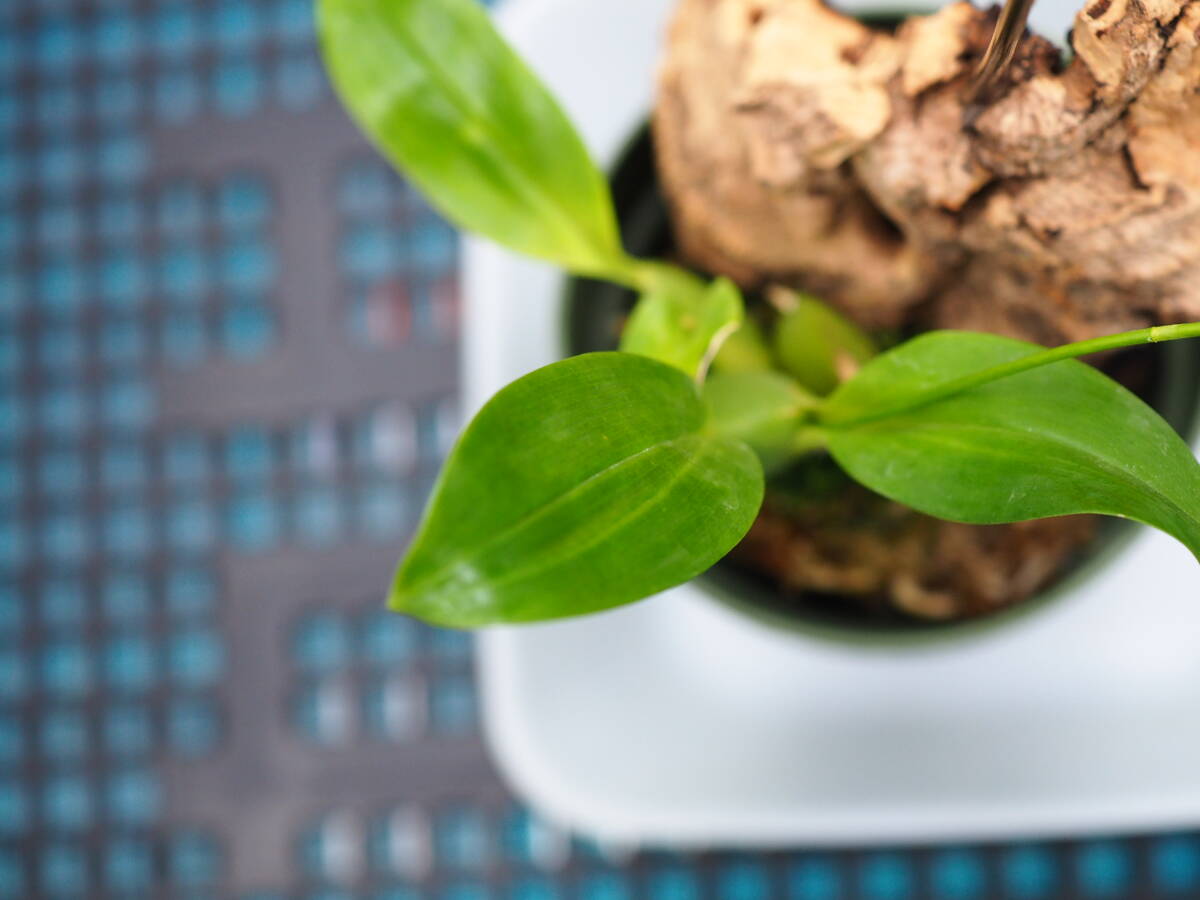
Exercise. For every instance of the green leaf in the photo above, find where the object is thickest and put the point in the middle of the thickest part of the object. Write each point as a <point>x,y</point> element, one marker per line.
<point>745,350</point>
<point>587,484</point>
<point>1048,441</point>
<point>683,322</point>
<point>817,344</point>
<point>764,409</point>
<point>449,102</point>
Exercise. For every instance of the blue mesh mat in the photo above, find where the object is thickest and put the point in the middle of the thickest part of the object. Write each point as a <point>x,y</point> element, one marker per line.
<point>227,375</point>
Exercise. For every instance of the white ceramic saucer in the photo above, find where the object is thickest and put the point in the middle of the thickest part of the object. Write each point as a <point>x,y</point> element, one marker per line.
<point>678,721</point>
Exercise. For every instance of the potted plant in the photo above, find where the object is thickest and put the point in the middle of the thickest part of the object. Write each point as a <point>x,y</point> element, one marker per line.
<point>610,476</point>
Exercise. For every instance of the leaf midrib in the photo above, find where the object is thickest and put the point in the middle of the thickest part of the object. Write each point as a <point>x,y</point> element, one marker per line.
<point>545,509</point>
<point>1115,470</point>
<point>547,561</point>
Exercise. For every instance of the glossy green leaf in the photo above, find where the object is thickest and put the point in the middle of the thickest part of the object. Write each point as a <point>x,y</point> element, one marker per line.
<point>449,102</point>
<point>817,344</point>
<point>683,323</point>
<point>764,409</point>
<point>587,484</point>
<point>1059,439</point>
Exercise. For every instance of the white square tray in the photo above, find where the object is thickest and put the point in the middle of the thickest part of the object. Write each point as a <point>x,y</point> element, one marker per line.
<point>680,722</point>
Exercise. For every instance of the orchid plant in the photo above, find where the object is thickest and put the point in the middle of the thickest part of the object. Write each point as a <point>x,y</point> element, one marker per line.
<point>607,477</point>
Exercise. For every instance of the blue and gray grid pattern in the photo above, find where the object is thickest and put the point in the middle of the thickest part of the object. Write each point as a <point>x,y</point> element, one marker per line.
<point>227,356</point>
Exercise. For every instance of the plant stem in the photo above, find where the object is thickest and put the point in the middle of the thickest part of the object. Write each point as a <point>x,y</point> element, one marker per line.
<point>810,439</point>
<point>627,273</point>
<point>1158,334</point>
<point>646,276</point>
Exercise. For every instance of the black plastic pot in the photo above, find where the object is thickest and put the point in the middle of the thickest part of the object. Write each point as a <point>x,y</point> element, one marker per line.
<point>596,310</point>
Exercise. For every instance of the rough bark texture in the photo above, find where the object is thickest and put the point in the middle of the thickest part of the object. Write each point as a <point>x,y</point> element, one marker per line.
<point>797,145</point>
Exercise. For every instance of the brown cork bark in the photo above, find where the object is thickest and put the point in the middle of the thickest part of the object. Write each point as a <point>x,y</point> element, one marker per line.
<point>800,146</point>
